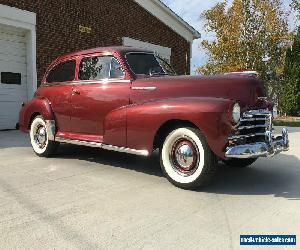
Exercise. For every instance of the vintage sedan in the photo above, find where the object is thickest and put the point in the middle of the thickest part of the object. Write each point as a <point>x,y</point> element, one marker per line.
<point>130,100</point>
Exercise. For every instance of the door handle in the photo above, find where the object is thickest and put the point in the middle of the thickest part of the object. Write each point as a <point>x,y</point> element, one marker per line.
<point>76,92</point>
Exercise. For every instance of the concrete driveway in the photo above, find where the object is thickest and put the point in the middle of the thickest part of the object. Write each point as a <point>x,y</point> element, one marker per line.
<point>87,198</point>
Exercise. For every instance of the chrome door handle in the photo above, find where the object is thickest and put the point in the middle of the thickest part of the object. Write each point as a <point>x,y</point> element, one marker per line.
<point>144,88</point>
<point>76,92</point>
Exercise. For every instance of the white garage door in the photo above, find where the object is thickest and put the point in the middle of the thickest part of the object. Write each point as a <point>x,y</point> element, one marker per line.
<point>13,79</point>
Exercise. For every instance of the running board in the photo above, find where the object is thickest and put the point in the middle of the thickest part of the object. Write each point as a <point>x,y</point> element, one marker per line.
<point>103,146</point>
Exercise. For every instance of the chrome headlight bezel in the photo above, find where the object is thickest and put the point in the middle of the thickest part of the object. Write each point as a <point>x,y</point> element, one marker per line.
<point>236,113</point>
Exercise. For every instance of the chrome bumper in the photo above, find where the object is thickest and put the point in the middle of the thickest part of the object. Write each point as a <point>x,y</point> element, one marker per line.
<point>270,147</point>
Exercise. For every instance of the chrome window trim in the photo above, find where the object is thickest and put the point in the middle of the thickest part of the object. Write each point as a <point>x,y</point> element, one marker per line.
<point>141,52</point>
<point>54,66</point>
<point>109,55</point>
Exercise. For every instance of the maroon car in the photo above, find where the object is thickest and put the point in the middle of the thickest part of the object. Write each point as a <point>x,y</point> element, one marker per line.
<point>130,100</point>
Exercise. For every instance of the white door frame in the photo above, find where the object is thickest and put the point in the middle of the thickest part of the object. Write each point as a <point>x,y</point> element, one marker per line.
<point>25,20</point>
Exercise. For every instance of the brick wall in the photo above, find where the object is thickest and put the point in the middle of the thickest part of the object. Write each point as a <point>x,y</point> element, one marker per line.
<point>110,20</point>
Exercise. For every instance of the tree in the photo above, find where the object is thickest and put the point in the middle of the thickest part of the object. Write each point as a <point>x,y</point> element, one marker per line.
<point>290,99</point>
<point>296,6</point>
<point>249,35</point>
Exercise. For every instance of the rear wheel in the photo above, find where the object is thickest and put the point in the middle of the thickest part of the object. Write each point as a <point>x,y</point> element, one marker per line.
<point>186,158</point>
<point>240,163</point>
<point>40,143</point>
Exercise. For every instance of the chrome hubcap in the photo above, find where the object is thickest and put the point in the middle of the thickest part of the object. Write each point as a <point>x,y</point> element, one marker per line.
<point>40,137</point>
<point>184,156</point>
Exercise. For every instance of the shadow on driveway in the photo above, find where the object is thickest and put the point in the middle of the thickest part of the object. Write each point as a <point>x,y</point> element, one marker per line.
<point>278,176</point>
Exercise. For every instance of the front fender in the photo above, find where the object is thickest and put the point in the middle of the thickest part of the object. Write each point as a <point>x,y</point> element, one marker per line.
<point>35,106</point>
<point>210,115</point>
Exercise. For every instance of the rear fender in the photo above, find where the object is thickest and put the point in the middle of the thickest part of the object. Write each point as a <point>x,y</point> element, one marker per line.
<point>37,106</point>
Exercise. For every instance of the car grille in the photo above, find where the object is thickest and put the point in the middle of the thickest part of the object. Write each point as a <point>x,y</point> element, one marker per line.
<point>252,127</point>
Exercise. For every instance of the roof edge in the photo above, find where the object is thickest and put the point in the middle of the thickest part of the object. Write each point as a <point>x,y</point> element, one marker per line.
<point>170,18</point>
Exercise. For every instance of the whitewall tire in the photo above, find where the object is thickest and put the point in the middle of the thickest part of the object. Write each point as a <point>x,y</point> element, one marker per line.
<point>186,159</point>
<point>40,143</point>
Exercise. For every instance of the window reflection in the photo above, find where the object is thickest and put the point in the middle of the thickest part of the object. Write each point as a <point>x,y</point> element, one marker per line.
<point>100,67</point>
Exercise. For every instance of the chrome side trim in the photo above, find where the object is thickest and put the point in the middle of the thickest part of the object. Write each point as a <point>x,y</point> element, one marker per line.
<point>260,149</point>
<point>143,88</point>
<point>262,98</point>
<point>50,129</point>
<point>104,146</point>
<point>102,81</point>
<point>125,150</point>
<point>78,142</point>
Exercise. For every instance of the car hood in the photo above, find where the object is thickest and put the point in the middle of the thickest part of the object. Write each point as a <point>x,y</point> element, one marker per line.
<point>244,90</point>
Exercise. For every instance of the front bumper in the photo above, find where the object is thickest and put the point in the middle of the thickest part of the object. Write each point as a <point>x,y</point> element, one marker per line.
<point>270,147</point>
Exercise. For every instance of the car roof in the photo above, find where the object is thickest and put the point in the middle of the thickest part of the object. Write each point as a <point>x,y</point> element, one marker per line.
<point>114,49</point>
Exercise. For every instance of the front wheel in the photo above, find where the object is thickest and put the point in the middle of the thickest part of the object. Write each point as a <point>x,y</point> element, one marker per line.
<point>186,159</point>
<point>40,143</point>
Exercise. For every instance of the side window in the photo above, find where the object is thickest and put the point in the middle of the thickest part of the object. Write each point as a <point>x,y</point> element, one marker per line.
<point>99,67</point>
<point>62,72</point>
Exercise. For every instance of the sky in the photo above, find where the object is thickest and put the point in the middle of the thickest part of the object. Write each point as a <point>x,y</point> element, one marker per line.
<point>190,10</point>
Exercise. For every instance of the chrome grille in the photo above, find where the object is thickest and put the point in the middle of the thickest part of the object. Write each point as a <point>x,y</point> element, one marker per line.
<point>252,127</point>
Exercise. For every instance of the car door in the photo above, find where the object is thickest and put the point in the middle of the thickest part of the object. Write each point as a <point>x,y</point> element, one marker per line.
<point>57,88</point>
<point>101,89</point>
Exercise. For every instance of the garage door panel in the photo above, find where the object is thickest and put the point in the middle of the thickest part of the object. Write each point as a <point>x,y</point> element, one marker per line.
<point>6,122</point>
<point>7,49</point>
<point>13,67</point>
<point>12,30</point>
<point>12,59</point>
<point>21,97</point>
<point>8,87</point>
<point>12,37</point>
<point>13,44</point>
<point>9,114</point>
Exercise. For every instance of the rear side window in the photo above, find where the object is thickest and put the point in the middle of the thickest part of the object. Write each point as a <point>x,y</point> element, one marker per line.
<point>62,72</point>
<point>100,67</point>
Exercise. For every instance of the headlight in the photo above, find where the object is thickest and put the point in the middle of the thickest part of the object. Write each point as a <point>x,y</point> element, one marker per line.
<point>236,113</point>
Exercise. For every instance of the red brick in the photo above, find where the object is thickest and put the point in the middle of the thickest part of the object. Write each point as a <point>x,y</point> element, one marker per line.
<point>58,28</point>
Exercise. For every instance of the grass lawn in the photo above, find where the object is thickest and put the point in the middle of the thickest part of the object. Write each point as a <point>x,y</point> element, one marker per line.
<point>288,121</point>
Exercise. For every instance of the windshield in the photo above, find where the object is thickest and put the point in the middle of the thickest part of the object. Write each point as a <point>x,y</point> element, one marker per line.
<point>148,64</point>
